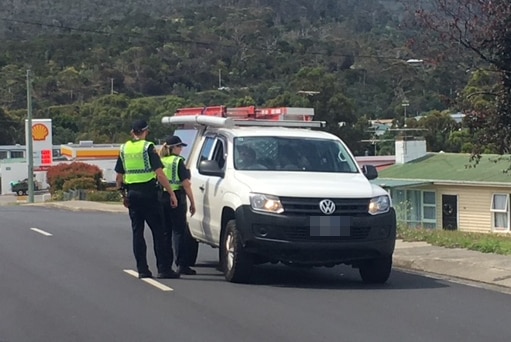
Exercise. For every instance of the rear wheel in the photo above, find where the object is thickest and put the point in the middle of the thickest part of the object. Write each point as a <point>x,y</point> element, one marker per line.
<point>20,192</point>
<point>376,271</point>
<point>236,263</point>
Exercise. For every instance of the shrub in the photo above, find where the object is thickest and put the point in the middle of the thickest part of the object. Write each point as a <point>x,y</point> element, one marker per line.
<point>82,183</point>
<point>58,175</point>
<point>104,196</point>
<point>57,195</point>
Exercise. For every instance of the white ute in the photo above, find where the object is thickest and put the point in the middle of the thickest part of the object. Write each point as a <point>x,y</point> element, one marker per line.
<point>270,186</point>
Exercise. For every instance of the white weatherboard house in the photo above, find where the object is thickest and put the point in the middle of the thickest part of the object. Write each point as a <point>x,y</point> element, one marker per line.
<point>446,190</point>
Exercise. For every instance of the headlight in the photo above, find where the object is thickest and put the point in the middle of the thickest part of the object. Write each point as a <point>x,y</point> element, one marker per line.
<point>266,203</point>
<point>379,205</point>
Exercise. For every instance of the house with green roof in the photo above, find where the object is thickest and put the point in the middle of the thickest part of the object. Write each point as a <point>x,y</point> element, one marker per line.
<point>446,190</point>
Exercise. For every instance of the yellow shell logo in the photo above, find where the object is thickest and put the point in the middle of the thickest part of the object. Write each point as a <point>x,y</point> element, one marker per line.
<point>39,132</point>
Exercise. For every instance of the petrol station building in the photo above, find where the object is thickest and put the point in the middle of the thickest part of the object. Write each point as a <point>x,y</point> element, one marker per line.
<point>14,162</point>
<point>87,150</point>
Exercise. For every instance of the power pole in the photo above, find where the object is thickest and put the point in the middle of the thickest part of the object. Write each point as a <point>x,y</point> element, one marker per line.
<point>30,148</point>
<point>111,86</point>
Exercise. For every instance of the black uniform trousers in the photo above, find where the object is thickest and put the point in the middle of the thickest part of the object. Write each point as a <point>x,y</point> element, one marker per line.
<point>145,206</point>
<point>183,244</point>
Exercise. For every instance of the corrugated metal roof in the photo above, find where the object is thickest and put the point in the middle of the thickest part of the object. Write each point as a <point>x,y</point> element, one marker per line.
<point>453,167</point>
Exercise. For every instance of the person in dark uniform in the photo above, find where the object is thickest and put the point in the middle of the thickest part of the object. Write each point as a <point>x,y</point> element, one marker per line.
<point>138,169</point>
<point>175,218</point>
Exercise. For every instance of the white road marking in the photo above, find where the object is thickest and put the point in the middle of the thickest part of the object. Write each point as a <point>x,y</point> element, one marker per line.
<point>40,231</point>
<point>150,281</point>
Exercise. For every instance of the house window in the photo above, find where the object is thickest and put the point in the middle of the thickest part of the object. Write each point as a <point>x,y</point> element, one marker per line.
<point>400,204</point>
<point>3,154</point>
<point>416,208</point>
<point>428,209</point>
<point>500,211</point>
<point>414,214</point>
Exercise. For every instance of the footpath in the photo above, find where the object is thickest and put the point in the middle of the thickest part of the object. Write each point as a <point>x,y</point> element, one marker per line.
<point>485,268</point>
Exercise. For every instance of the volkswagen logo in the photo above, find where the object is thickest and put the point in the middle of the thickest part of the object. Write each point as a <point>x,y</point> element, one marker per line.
<point>327,207</point>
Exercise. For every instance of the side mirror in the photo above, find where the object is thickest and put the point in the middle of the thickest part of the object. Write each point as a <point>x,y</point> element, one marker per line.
<point>210,168</point>
<point>370,171</point>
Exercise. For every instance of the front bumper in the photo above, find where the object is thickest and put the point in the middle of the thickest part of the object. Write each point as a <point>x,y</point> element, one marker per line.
<point>290,239</point>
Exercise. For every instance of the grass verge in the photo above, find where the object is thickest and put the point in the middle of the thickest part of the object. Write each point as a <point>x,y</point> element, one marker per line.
<point>486,243</point>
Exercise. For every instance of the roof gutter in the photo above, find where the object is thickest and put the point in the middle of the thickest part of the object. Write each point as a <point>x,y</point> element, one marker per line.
<point>455,182</point>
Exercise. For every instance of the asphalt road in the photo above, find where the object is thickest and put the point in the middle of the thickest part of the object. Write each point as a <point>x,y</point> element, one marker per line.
<point>65,276</point>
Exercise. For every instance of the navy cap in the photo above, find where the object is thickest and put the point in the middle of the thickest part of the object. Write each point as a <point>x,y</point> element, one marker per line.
<point>174,140</point>
<point>139,126</point>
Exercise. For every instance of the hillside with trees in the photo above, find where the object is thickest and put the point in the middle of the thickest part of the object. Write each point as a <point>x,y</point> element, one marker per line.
<point>97,65</point>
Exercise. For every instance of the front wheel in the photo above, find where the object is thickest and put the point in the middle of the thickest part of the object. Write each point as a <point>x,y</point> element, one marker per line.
<point>376,271</point>
<point>236,263</point>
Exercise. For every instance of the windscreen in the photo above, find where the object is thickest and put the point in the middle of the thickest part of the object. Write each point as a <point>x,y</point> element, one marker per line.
<point>292,154</point>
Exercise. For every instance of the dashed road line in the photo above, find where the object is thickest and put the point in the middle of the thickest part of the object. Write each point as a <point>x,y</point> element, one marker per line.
<point>40,231</point>
<point>150,281</point>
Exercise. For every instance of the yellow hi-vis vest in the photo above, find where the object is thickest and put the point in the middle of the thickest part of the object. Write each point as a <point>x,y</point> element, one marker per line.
<point>136,162</point>
<point>170,168</point>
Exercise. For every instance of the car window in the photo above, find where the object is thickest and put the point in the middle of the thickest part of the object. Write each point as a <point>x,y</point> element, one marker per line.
<point>207,149</point>
<point>292,154</point>
<point>219,153</point>
<point>213,148</point>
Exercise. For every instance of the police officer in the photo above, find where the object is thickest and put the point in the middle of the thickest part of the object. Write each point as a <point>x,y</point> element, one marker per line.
<point>138,170</point>
<point>175,218</point>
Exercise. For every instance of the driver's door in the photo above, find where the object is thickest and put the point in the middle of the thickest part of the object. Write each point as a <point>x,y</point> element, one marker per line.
<point>205,225</point>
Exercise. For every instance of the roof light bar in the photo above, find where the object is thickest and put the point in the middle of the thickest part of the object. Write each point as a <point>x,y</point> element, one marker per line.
<point>281,123</point>
<point>221,116</point>
<point>198,120</point>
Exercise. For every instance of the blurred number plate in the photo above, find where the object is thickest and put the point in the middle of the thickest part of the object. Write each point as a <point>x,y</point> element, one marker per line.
<point>330,226</point>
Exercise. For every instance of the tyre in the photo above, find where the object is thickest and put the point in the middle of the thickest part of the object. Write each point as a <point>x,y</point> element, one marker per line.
<point>236,263</point>
<point>376,271</point>
<point>20,192</point>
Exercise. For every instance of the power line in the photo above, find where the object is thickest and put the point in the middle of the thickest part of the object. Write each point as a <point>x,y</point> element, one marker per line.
<point>184,41</point>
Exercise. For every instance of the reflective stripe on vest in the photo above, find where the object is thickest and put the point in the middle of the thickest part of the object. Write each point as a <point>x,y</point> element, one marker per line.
<point>170,168</point>
<point>136,162</point>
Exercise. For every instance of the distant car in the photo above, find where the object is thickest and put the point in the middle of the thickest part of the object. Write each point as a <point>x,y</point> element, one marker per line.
<point>20,187</point>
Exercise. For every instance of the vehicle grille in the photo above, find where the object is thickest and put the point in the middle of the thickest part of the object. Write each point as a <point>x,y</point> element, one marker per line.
<point>303,234</point>
<point>310,206</point>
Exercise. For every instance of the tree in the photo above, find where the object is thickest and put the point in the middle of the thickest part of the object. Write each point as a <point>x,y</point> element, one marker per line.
<point>438,128</point>
<point>259,47</point>
<point>13,90</point>
<point>69,81</point>
<point>107,118</point>
<point>8,128</point>
<point>481,27</point>
<point>331,105</point>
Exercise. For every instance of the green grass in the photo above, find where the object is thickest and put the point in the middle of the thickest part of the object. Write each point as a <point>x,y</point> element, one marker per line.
<point>486,243</point>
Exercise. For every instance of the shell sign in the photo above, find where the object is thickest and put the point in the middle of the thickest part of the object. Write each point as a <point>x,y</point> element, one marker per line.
<point>39,132</point>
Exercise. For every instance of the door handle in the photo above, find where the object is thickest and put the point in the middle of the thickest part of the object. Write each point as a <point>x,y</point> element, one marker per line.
<point>202,188</point>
